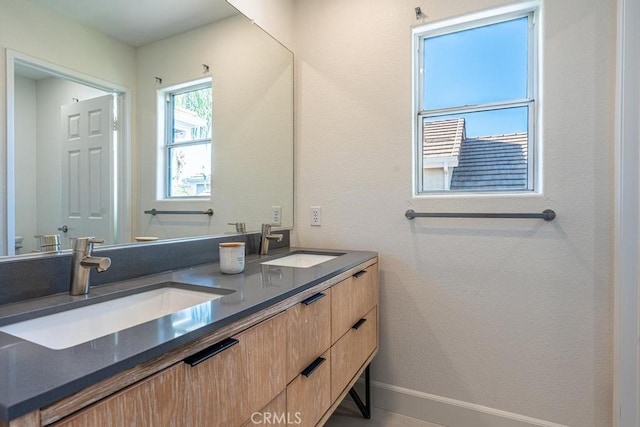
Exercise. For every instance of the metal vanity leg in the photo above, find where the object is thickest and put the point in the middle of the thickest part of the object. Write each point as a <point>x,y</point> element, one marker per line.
<point>365,408</point>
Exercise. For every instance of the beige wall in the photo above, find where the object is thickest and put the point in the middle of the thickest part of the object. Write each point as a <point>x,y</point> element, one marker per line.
<point>513,315</point>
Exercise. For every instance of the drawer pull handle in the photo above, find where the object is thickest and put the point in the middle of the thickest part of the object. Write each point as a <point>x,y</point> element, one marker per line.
<point>359,323</point>
<point>360,273</point>
<point>316,363</point>
<point>201,356</point>
<point>313,298</point>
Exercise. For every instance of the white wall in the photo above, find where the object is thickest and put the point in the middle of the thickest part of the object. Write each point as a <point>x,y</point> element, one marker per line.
<point>512,315</point>
<point>36,32</point>
<point>25,160</point>
<point>252,126</point>
<point>275,16</point>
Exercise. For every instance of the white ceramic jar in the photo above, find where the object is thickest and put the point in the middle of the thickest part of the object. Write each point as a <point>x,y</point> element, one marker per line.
<point>232,257</point>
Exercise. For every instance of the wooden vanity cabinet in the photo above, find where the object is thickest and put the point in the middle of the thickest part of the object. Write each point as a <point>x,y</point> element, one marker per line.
<point>346,326</point>
<point>291,363</point>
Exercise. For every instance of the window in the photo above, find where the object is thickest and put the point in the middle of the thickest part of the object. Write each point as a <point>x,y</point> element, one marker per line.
<point>475,83</point>
<point>188,141</point>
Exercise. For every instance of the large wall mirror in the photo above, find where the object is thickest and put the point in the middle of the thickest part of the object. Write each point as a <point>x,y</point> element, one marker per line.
<point>69,81</point>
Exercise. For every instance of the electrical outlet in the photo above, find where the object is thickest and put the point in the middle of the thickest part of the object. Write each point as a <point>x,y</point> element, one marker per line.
<point>316,215</point>
<point>276,215</point>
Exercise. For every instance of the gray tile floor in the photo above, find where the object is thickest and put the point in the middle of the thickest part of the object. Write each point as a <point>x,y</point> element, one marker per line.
<point>347,415</point>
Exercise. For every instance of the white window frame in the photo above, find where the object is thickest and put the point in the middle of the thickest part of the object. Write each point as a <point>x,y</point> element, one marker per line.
<point>476,20</point>
<point>166,112</point>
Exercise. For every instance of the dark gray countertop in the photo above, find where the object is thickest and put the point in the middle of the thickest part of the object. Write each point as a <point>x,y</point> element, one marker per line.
<point>33,376</point>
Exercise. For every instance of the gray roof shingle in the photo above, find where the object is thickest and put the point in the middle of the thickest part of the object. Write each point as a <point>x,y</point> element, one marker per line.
<point>484,163</point>
<point>492,163</point>
<point>442,138</point>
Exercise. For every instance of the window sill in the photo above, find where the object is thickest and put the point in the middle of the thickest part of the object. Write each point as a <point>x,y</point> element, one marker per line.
<point>483,195</point>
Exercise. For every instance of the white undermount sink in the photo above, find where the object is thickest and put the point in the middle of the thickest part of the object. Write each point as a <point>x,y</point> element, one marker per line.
<point>72,327</point>
<point>300,260</point>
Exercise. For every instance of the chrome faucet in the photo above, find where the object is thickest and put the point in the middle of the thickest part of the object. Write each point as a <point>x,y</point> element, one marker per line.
<point>266,237</point>
<point>82,263</point>
<point>241,227</point>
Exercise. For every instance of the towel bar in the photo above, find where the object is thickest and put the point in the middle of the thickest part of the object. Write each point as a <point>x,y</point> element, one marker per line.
<point>547,215</point>
<point>156,212</point>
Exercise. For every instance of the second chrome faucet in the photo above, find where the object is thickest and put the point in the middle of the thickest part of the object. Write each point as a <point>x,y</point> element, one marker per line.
<point>266,237</point>
<point>82,263</point>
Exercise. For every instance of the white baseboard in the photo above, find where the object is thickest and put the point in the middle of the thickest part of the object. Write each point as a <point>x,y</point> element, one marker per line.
<point>443,410</point>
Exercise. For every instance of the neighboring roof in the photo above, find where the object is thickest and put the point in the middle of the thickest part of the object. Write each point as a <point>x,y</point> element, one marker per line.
<point>492,163</point>
<point>442,138</point>
<point>484,163</point>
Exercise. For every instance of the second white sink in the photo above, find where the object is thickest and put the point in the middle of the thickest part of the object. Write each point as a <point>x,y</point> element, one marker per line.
<point>300,260</point>
<point>72,327</point>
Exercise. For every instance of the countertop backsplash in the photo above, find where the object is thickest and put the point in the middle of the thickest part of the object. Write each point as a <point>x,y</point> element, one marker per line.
<point>23,278</point>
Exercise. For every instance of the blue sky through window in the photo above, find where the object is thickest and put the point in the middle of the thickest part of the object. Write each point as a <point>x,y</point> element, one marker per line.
<point>477,66</point>
<point>495,122</point>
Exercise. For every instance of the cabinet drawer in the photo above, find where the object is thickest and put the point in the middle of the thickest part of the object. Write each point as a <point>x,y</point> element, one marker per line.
<point>225,388</point>
<point>274,414</point>
<point>352,299</point>
<point>209,382</point>
<point>352,350</point>
<point>308,332</point>
<point>155,401</point>
<point>221,385</point>
<point>265,361</point>
<point>308,395</point>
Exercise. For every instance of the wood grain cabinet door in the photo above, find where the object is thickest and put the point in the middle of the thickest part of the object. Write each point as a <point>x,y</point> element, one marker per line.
<point>265,361</point>
<point>155,401</point>
<point>308,332</point>
<point>309,394</point>
<point>272,415</point>
<point>351,351</point>
<point>352,299</point>
<point>216,386</point>
<point>220,386</point>
<point>226,388</point>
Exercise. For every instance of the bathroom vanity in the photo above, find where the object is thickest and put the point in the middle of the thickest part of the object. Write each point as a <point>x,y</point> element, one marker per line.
<point>282,345</point>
